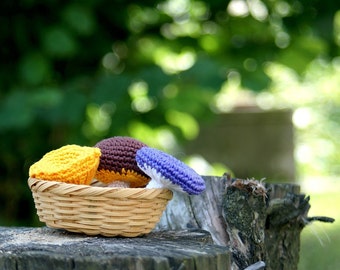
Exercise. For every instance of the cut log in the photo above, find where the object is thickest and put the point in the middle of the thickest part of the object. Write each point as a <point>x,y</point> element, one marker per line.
<point>260,223</point>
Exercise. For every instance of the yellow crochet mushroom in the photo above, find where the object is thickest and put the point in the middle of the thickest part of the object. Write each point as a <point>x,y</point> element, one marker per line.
<point>70,164</point>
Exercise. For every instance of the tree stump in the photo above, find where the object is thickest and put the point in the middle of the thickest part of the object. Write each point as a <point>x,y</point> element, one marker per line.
<point>45,248</point>
<point>235,224</point>
<point>286,217</point>
<point>261,224</point>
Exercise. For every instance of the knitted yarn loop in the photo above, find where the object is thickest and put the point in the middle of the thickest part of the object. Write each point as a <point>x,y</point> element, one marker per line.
<point>169,171</point>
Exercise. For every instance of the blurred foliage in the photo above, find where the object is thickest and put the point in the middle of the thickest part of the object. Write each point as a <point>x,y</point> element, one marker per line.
<point>76,72</point>
<point>320,241</point>
<point>316,97</point>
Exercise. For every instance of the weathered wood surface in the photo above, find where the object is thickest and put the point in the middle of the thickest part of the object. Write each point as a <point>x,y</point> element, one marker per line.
<point>200,211</point>
<point>258,222</point>
<point>286,217</point>
<point>244,211</point>
<point>234,214</point>
<point>45,248</point>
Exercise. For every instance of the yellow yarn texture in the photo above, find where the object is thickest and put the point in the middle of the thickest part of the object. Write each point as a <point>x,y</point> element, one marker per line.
<point>70,164</point>
<point>131,177</point>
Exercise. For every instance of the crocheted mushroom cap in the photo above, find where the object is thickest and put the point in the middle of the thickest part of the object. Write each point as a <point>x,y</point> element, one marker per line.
<point>168,172</point>
<point>70,164</point>
<point>118,163</point>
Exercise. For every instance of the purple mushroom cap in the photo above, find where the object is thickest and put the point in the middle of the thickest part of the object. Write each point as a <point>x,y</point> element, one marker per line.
<point>168,172</point>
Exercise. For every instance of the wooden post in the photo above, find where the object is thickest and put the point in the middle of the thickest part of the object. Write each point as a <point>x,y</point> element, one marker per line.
<point>259,223</point>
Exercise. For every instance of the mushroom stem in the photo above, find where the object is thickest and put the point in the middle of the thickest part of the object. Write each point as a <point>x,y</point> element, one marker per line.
<point>158,180</point>
<point>154,184</point>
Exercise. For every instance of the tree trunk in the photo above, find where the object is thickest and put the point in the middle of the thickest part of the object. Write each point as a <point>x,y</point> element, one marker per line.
<point>258,222</point>
<point>286,216</point>
<point>203,211</point>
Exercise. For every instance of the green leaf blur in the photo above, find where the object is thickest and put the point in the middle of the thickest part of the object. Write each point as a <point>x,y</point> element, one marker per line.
<point>74,72</point>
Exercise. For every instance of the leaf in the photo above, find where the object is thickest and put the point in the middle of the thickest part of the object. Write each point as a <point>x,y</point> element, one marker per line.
<point>46,97</point>
<point>155,78</point>
<point>110,88</point>
<point>34,68</point>
<point>302,52</point>
<point>59,42</point>
<point>80,19</point>
<point>206,73</point>
<point>16,111</point>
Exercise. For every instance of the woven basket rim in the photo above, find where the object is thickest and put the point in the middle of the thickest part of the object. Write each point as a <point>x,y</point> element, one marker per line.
<point>66,189</point>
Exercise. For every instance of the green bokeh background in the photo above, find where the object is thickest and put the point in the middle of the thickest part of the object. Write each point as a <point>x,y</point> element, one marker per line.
<point>80,71</point>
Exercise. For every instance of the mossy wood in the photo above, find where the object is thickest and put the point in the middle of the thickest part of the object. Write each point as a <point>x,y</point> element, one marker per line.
<point>260,223</point>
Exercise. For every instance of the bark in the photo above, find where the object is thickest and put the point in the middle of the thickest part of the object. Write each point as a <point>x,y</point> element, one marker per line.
<point>261,224</point>
<point>286,216</point>
<point>244,211</point>
<point>203,211</point>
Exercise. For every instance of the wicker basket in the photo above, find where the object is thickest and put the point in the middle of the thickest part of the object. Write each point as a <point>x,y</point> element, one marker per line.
<point>107,211</point>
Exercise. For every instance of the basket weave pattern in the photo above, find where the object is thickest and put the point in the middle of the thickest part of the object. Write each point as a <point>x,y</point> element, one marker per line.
<point>92,210</point>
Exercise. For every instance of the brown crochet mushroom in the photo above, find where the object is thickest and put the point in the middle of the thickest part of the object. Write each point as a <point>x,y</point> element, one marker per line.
<point>118,162</point>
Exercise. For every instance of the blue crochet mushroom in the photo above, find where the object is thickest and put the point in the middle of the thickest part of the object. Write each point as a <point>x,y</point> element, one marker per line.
<point>168,172</point>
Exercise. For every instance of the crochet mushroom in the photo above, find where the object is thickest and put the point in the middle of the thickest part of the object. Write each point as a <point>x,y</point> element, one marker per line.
<point>117,166</point>
<point>72,164</point>
<point>168,172</point>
